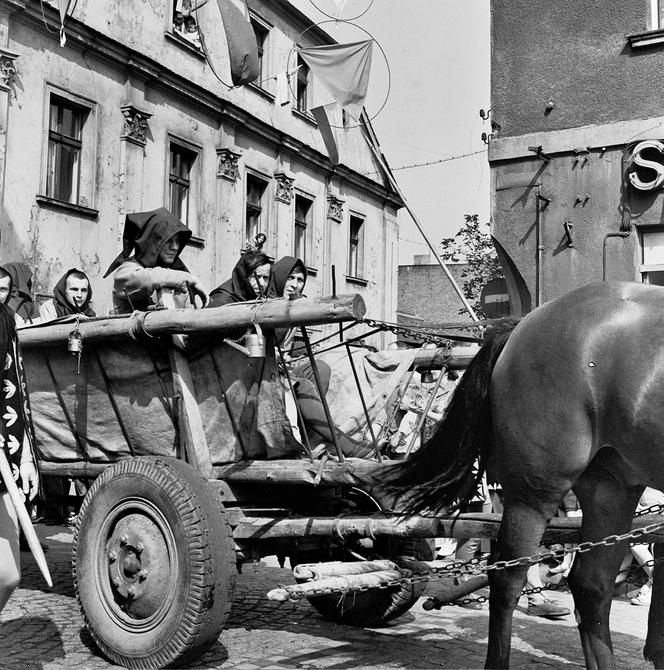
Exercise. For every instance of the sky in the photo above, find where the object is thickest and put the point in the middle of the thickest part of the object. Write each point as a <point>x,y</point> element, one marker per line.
<point>438,55</point>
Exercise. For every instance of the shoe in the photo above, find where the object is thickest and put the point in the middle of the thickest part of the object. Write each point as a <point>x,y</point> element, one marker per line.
<point>547,608</point>
<point>472,605</point>
<point>643,596</point>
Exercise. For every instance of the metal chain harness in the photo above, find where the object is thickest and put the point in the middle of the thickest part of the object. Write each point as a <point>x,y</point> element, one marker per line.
<point>476,565</point>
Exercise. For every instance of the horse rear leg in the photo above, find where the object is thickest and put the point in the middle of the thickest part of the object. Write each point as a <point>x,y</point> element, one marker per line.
<point>608,507</point>
<point>520,533</point>
<point>654,649</point>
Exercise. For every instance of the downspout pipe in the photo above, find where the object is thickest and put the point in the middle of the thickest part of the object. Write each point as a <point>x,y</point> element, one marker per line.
<point>623,234</point>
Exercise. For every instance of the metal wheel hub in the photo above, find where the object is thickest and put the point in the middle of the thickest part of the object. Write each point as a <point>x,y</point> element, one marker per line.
<point>139,565</point>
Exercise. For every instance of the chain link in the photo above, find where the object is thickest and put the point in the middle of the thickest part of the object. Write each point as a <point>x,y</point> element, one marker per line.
<point>459,568</point>
<point>424,335</point>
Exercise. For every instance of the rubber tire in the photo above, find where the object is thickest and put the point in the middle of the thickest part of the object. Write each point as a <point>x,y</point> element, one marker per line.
<point>201,566</point>
<point>375,607</point>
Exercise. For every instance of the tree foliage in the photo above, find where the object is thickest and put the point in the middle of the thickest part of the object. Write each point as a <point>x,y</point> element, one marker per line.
<point>472,245</point>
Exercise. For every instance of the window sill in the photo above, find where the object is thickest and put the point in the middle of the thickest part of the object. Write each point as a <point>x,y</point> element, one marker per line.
<point>356,280</point>
<point>263,92</point>
<point>194,241</point>
<point>312,271</point>
<point>185,44</point>
<point>647,39</point>
<point>54,203</point>
<point>305,116</point>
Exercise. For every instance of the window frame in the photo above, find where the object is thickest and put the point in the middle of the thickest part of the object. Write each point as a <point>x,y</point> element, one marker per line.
<point>86,191</point>
<point>261,207</point>
<point>303,69</point>
<point>260,25</point>
<point>179,36</point>
<point>194,187</point>
<point>356,270</point>
<point>643,267</point>
<point>308,224</point>
<point>656,18</point>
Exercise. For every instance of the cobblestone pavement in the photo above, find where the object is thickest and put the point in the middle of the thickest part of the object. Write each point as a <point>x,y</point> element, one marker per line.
<point>42,630</point>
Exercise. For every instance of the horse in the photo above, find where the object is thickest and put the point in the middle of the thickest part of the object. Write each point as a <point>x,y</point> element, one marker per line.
<point>571,397</point>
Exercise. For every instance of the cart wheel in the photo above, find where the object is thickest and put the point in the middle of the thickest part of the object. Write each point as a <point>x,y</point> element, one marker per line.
<point>374,607</point>
<point>153,563</point>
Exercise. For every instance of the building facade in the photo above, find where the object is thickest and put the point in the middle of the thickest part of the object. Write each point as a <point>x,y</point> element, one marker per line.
<point>130,116</point>
<point>575,148</point>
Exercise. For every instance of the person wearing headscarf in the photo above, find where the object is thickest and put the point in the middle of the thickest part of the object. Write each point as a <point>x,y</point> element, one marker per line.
<point>6,288</point>
<point>249,281</point>
<point>289,276</point>
<point>16,433</point>
<point>71,295</point>
<point>150,260</point>
<point>21,300</point>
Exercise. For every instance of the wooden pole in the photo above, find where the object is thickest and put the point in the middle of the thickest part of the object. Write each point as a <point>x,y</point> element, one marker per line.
<point>190,423</point>
<point>276,313</point>
<point>23,517</point>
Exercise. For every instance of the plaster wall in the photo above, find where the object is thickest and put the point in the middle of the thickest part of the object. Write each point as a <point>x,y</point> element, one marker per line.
<point>128,177</point>
<point>574,53</point>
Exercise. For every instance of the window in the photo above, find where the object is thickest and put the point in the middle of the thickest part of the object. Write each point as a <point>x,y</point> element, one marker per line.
<point>184,21</point>
<point>261,32</point>
<point>255,191</point>
<point>179,182</point>
<point>356,247</point>
<point>652,268</point>
<point>65,144</point>
<point>303,229</point>
<point>656,14</point>
<point>302,86</point>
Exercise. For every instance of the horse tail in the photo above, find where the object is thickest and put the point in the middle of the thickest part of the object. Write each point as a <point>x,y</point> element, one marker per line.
<point>448,468</point>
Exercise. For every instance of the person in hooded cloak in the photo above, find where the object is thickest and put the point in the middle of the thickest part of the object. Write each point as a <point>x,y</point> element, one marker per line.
<point>289,276</point>
<point>248,281</point>
<point>21,299</point>
<point>16,433</point>
<point>71,295</point>
<point>150,260</point>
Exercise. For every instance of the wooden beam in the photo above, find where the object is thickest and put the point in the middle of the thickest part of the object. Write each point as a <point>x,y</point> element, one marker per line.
<point>277,313</point>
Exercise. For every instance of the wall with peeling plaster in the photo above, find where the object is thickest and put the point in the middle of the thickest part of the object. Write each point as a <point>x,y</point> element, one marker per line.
<point>573,89</point>
<point>113,57</point>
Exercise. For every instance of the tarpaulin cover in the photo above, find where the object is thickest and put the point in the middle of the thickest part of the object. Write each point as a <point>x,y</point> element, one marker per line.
<point>343,69</point>
<point>380,373</point>
<point>122,404</point>
<point>242,48</point>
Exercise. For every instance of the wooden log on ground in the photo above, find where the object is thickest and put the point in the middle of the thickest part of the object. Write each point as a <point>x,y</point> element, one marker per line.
<point>277,313</point>
<point>334,585</point>
<point>340,568</point>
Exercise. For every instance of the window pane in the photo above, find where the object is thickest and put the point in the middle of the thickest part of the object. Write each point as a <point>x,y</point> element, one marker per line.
<point>653,248</point>
<point>656,278</point>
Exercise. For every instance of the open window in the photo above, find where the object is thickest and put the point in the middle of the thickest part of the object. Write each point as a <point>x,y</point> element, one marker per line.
<point>185,23</point>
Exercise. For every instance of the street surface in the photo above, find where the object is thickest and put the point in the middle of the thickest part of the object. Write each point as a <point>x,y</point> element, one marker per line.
<point>42,629</point>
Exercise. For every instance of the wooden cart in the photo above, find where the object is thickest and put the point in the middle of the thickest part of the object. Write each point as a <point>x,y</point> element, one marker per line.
<point>194,470</point>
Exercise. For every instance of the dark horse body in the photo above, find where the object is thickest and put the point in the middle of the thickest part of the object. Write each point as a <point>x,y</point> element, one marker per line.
<point>570,398</point>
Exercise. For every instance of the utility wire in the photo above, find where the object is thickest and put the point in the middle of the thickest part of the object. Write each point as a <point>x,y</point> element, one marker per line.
<point>440,160</point>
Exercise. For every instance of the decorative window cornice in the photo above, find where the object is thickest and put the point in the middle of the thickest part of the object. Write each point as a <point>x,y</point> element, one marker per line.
<point>335,210</point>
<point>7,69</point>
<point>135,124</point>
<point>227,163</point>
<point>284,191</point>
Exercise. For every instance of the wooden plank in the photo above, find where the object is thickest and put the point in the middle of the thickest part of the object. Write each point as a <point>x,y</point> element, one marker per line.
<point>277,313</point>
<point>190,423</point>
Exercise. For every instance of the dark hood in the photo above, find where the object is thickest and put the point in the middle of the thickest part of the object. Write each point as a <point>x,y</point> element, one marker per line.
<point>280,271</point>
<point>146,233</point>
<point>62,307</point>
<point>238,288</point>
<point>20,299</point>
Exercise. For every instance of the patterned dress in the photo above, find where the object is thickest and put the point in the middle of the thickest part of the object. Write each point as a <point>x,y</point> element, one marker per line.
<point>14,410</point>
